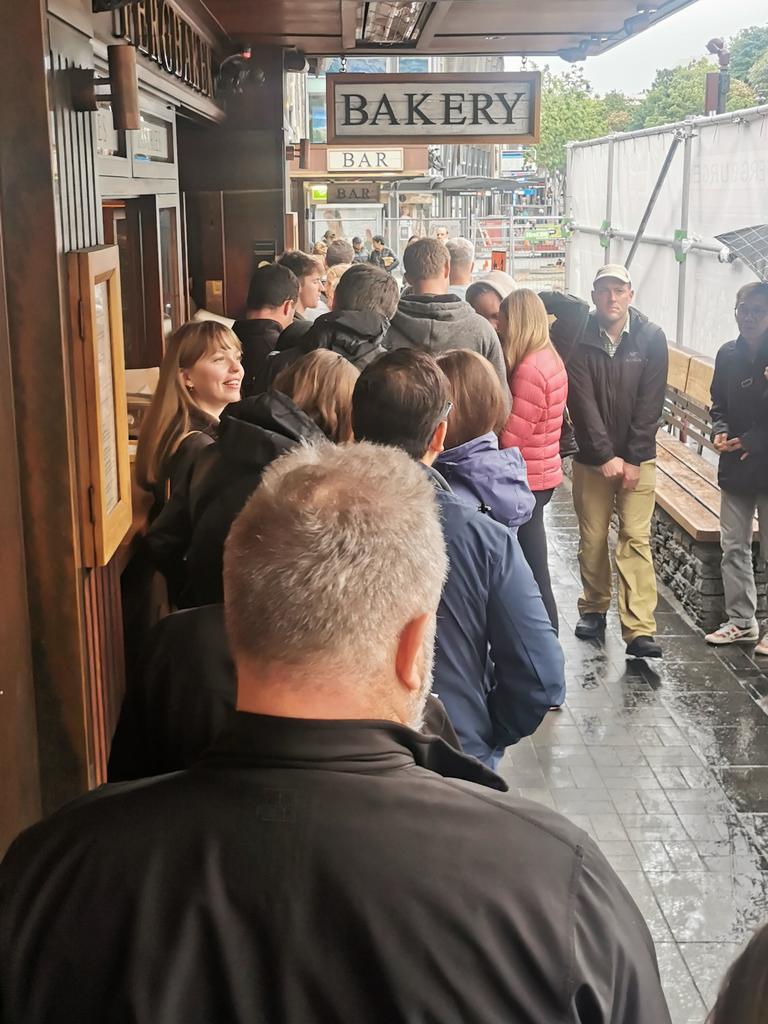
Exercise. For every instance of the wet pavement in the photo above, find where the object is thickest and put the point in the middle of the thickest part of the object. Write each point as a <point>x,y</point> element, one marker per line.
<point>665,764</point>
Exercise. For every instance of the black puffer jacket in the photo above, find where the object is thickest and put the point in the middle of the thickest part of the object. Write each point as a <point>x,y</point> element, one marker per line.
<point>252,434</point>
<point>740,409</point>
<point>355,334</point>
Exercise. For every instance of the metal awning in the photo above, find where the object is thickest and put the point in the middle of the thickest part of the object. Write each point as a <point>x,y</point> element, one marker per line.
<point>461,183</point>
<point>573,29</point>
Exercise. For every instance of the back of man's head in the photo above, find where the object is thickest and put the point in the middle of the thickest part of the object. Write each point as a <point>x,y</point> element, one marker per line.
<point>462,254</point>
<point>336,552</point>
<point>400,400</point>
<point>426,261</point>
<point>367,287</point>
<point>271,286</point>
<point>339,251</point>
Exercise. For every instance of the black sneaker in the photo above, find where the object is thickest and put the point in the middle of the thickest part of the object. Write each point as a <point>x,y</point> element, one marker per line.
<point>590,626</point>
<point>644,647</point>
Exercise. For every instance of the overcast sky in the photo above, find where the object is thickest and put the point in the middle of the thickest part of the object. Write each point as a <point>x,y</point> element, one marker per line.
<point>631,66</point>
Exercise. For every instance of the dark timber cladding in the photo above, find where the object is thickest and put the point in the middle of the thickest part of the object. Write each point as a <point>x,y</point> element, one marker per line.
<point>160,32</point>
<point>486,107</point>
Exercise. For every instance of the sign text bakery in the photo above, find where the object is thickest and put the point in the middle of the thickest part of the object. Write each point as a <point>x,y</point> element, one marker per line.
<point>487,107</point>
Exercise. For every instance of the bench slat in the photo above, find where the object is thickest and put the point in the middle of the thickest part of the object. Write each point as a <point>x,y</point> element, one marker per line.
<point>702,490</point>
<point>691,459</point>
<point>686,510</point>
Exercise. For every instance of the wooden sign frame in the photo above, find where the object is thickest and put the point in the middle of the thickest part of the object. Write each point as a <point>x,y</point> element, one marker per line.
<point>424,81</point>
<point>101,413</point>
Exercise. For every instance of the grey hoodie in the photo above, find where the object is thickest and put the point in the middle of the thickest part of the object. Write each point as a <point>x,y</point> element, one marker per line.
<point>437,323</point>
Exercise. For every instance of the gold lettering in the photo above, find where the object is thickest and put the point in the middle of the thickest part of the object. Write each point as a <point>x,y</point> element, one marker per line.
<point>187,54</point>
<point>196,62</point>
<point>166,37</point>
<point>178,46</point>
<point>154,21</point>
<point>141,29</point>
<point>207,86</point>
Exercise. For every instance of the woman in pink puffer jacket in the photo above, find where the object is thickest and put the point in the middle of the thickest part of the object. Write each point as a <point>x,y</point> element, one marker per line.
<point>539,386</point>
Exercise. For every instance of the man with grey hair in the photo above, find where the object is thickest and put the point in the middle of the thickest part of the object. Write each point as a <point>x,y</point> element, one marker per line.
<point>462,254</point>
<point>323,861</point>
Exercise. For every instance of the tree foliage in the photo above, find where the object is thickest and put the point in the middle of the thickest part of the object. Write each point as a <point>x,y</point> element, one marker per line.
<point>678,93</point>
<point>758,78</point>
<point>747,47</point>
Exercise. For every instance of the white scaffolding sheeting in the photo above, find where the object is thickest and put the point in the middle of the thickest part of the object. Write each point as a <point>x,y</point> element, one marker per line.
<point>717,185</point>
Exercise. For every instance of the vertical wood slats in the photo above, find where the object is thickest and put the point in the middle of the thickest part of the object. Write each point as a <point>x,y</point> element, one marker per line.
<point>80,226</point>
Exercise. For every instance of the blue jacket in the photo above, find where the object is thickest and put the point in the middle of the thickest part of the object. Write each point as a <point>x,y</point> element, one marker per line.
<point>482,474</point>
<point>498,664</point>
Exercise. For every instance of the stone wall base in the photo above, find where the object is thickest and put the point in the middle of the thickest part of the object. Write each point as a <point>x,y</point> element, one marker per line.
<point>691,569</point>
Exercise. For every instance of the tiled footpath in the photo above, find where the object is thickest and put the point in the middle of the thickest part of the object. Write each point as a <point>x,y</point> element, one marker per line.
<point>666,765</point>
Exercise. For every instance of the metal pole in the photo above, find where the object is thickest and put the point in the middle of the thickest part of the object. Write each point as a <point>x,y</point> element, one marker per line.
<point>684,219</point>
<point>678,137</point>
<point>609,195</point>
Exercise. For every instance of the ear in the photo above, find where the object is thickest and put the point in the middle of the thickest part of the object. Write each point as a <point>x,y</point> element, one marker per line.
<point>410,645</point>
<point>447,269</point>
<point>594,298</point>
<point>437,444</point>
<point>631,294</point>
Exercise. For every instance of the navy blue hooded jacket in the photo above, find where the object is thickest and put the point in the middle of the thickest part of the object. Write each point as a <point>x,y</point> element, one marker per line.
<point>499,666</point>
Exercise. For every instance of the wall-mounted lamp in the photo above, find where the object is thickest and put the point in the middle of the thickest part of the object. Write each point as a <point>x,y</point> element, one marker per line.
<point>123,85</point>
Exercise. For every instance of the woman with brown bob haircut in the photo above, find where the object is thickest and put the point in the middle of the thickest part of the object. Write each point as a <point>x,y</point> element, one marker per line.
<point>472,463</point>
<point>321,385</point>
<point>200,375</point>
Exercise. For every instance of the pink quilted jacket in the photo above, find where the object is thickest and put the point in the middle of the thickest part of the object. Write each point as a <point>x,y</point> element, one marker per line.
<point>539,386</point>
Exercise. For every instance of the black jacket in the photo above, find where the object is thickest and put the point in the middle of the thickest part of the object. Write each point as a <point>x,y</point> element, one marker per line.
<point>195,524</point>
<point>184,694</point>
<point>740,409</point>
<point>616,401</point>
<point>258,338</point>
<point>377,258</point>
<point>319,872</point>
<point>293,333</point>
<point>357,335</point>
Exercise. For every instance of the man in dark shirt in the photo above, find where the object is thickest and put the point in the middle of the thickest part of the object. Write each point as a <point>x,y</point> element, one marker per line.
<point>617,376</point>
<point>382,255</point>
<point>323,862</point>
<point>740,424</point>
<point>270,307</point>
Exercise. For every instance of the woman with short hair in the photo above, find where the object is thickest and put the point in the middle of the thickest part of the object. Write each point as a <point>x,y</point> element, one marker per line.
<point>200,375</point>
<point>538,383</point>
<point>472,463</point>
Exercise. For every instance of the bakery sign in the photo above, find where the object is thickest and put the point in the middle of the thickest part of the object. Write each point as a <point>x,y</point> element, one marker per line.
<point>478,107</point>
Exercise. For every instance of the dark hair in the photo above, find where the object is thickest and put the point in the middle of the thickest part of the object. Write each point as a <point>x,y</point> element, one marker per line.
<point>476,290</point>
<point>271,286</point>
<point>301,263</point>
<point>357,240</point>
<point>398,401</point>
<point>378,238</point>
<point>479,406</point>
<point>759,288</point>
<point>366,287</point>
<point>743,994</point>
<point>425,258</point>
<point>339,251</point>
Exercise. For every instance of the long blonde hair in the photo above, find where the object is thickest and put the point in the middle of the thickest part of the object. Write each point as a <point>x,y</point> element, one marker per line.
<point>321,384</point>
<point>523,326</point>
<point>332,278</point>
<point>173,406</point>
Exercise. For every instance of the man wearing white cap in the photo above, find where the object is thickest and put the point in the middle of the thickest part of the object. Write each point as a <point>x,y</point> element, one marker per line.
<point>486,295</point>
<point>617,375</point>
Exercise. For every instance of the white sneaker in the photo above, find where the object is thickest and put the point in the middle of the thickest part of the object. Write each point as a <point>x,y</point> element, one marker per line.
<point>762,647</point>
<point>730,633</point>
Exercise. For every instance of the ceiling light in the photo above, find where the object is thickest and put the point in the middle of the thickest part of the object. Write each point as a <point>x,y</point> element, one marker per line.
<point>386,21</point>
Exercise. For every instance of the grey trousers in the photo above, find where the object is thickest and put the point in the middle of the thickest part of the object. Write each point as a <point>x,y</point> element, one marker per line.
<point>736,514</point>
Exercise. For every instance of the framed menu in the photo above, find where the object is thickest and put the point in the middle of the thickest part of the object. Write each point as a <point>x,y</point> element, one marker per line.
<point>101,409</point>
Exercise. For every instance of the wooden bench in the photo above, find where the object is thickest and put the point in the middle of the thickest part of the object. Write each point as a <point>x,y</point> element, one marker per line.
<point>686,529</point>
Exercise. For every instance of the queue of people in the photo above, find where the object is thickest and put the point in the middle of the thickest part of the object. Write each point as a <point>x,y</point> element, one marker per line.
<point>350,514</point>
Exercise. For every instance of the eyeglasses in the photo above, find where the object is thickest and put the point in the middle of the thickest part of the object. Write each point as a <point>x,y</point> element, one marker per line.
<point>444,414</point>
<point>756,312</point>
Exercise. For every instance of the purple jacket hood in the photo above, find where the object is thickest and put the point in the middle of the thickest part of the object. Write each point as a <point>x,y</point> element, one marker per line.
<point>495,479</point>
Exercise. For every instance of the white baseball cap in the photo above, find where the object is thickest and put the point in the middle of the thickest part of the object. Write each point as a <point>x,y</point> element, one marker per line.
<point>503,284</point>
<point>614,270</point>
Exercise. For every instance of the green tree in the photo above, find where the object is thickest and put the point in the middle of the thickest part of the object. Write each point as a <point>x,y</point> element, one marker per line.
<point>758,78</point>
<point>678,93</point>
<point>747,47</point>
<point>569,113</point>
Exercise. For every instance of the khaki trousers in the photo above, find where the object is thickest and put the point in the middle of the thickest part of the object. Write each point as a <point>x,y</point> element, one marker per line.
<point>594,498</point>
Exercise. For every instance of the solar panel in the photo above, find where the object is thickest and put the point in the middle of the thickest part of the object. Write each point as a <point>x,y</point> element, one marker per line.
<point>751,247</point>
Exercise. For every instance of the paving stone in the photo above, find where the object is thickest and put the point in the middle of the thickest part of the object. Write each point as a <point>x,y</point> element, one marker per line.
<point>710,906</point>
<point>707,962</point>
<point>685,1002</point>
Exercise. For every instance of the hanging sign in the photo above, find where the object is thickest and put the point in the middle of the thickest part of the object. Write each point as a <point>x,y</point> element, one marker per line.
<point>354,192</point>
<point>483,107</point>
<point>377,160</point>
